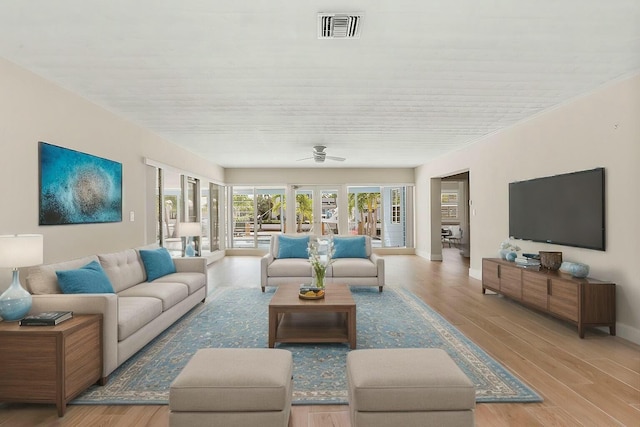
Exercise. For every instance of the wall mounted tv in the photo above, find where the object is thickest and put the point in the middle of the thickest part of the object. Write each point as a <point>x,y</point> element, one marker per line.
<point>565,209</point>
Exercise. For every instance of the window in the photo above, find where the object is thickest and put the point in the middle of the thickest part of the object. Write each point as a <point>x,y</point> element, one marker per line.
<point>211,215</point>
<point>449,205</point>
<point>171,206</point>
<point>395,206</point>
<point>381,213</point>
<point>364,211</point>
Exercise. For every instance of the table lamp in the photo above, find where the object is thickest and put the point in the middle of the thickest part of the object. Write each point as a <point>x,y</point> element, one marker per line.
<point>19,250</point>
<point>187,230</point>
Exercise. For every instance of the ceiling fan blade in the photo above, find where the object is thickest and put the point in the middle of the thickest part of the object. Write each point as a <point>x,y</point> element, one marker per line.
<point>306,158</point>
<point>339,159</point>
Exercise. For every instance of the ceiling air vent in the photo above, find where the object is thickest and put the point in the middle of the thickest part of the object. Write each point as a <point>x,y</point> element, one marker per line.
<point>339,25</point>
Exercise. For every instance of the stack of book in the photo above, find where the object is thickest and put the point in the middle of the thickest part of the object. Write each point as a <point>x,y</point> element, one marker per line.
<point>528,263</point>
<point>47,318</point>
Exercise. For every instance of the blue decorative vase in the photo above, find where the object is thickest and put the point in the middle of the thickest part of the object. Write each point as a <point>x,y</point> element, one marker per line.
<point>15,302</point>
<point>576,269</point>
<point>511,256</point>
<point>189,251</point>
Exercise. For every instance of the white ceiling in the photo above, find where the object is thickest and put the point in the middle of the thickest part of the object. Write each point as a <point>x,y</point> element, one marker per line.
<point>247,83</point>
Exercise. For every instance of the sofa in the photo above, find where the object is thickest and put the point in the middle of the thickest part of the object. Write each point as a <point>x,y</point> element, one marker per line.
<point>136,311</point>
<point>364,270</point>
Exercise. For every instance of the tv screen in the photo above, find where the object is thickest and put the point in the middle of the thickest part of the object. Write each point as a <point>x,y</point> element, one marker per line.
<point>565,209</point>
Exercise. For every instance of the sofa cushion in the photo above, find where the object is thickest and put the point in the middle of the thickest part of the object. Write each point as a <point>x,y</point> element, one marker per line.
<point>134,313</point>
<point>170,293</point>
<point>88,279</point>
<point>289,267</point>
<point>124,268</point>
<point>349,247</point>
<point>194,281</point>
<point>292,247</point>
<point>157,263</point>
<point>353,267</point>
<point>42,279</point>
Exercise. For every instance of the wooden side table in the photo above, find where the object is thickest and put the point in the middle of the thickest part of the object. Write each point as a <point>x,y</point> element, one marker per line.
<point>50,364</point>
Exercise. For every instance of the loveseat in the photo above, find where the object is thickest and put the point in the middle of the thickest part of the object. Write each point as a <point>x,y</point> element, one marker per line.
<point>136,311</point>
<point>293,267</point>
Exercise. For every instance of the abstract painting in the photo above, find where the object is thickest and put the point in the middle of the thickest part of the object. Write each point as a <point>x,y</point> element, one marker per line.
<point>78,188</point>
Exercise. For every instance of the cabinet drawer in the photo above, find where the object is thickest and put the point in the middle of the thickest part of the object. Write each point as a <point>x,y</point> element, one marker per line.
<point>563,299</point>
<point>534,289</point>
<point>490,275</point>
<point>511,281</point>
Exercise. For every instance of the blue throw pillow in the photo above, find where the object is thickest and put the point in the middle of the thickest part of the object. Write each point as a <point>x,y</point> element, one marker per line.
<point>157,263</point>
<point>292,247</point>
<point>349,247</point>
<point>90,279</point>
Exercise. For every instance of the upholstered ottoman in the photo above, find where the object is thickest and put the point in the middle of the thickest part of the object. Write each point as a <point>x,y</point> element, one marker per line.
<point>240,387</point>
<point>414,387</point>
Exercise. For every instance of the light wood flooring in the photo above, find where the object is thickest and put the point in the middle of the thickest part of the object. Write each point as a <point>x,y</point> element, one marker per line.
<point>593,381</point>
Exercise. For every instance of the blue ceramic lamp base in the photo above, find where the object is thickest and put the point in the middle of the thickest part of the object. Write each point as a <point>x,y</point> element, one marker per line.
<point>15,302</point>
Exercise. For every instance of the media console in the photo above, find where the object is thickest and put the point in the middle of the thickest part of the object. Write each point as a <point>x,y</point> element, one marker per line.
<point>583,302</point>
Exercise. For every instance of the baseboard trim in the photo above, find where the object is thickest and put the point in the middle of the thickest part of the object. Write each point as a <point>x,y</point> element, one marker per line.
<point>626,332</point>
<point>476,274</point>
<point>428,256</point>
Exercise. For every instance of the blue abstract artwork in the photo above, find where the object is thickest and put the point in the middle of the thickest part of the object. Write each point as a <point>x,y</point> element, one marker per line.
<point>78,188</point>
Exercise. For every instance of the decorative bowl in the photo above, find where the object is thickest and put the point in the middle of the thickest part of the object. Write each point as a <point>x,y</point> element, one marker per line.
<point>550,260</point>
<point>308,295</point>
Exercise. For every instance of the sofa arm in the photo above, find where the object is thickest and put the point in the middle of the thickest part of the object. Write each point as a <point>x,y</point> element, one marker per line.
<point>264,266</point>
<point>379,263</point>
<point>105,304</point>
<point>191,265</point>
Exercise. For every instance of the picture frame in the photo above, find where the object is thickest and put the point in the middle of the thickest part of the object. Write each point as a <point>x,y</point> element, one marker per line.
<point>78,188</point>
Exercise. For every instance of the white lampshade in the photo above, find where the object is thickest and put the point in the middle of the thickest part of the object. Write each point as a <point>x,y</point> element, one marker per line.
<point>188,229</point>
<point>21,250</point>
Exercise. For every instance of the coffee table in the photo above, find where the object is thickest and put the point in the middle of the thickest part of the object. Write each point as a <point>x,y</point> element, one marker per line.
<point>296,320</point>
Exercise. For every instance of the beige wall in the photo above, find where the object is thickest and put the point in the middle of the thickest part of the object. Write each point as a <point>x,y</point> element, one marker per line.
<point>598,129</point>
<point>312,176</point>
<point>32,109</point>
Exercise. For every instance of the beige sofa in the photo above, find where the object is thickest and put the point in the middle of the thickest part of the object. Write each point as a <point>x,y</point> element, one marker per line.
<point>276,271</point>
<point>137,312</point>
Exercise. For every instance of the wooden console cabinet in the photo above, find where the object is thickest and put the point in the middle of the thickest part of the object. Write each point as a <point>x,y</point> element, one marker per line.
<point>50,364</point>
<point>583,302</point>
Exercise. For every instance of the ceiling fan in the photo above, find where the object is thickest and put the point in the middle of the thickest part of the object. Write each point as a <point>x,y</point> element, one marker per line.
<point>319,155</point>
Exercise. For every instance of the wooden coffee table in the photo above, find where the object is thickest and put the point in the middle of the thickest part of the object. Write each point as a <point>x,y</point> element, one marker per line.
<point>296,320</point>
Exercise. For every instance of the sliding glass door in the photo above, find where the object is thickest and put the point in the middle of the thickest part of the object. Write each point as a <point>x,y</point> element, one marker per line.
<point>257,213</point>
<point>316,209</point>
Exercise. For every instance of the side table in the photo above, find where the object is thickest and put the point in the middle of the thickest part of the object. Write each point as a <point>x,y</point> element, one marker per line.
<point>50,364</point>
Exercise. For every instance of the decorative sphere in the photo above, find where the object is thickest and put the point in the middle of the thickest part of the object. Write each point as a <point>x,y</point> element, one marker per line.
<point>511,256</point>
<point>579,270</point>
<point>576,269</point>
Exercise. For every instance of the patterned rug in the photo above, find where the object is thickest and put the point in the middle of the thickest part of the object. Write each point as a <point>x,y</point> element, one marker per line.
<point>238,318</point>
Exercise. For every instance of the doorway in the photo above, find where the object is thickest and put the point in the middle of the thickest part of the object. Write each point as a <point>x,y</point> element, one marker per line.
<point>455,224</point>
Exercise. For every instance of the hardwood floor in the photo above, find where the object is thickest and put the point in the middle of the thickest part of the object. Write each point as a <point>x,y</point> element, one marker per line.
<point>593,381</point>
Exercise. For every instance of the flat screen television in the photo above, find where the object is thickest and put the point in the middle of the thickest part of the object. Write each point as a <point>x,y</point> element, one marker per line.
<point>565,209</point>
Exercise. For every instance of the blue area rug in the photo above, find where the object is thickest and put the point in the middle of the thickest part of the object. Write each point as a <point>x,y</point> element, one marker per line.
<point>238,318</point>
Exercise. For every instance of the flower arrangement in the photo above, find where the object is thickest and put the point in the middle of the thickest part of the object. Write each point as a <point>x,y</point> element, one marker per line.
<point>506,244</point>
<point>320,255</point>
<point>507,247</point>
